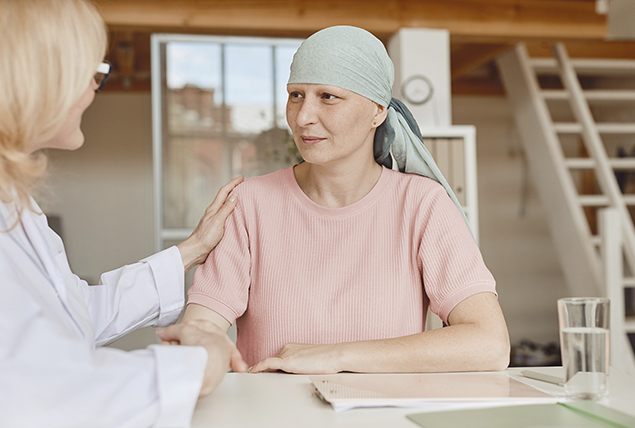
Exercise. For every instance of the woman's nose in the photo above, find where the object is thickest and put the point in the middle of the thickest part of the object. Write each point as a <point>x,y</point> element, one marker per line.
<point>307,113</point>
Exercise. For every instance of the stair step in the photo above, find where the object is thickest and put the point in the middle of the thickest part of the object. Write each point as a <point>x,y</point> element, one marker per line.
<point>589,163</point>
<point>567,127</point>
<point>591,95</point>
<point>586,66</point>
<point>593,200</point>
<point>602,200</point>
<point>609,95</point>
<point>603,128</point>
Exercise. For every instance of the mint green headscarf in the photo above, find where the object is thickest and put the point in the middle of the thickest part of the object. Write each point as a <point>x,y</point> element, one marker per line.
<point>352,58</point>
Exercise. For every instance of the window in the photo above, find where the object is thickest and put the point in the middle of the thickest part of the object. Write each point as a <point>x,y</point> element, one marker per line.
<point>218,112</point>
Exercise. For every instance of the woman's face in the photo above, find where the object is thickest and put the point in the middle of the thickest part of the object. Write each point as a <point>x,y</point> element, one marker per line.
<point>70,136</point>
<point>331,124</point>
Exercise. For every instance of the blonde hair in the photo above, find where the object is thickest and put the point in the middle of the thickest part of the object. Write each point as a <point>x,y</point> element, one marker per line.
<point>49,51</point>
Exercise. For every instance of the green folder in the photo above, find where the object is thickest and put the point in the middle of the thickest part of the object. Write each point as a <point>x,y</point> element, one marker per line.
<point>579,414</point>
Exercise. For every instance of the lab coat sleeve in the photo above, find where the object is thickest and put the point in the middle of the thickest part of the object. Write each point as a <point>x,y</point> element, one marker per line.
<point>50,377</point>
<point>150,292</point>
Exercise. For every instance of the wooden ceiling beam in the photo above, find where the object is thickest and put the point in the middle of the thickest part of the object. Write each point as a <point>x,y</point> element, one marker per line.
<point>556,19</point>
<point>477,86</point>
<point>586,49</point>
<point>467,57</point>
<point>479,30</point>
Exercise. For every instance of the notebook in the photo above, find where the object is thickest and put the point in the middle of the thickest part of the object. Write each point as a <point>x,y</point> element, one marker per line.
<point>431,390</point>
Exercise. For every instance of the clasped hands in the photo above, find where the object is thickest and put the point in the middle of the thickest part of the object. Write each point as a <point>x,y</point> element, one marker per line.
<point>222,354</point>
<point>292,358</point>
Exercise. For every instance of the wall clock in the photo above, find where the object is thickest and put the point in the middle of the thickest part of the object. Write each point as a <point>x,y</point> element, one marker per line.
<point>417,89</point>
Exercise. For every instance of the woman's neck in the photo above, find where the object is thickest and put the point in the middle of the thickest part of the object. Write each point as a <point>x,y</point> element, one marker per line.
<point>337,186</point>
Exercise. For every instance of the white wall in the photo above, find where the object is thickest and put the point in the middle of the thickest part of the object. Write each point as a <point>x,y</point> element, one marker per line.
<point>517,248</point>
<point>103,192</point>
<point>410,50</point>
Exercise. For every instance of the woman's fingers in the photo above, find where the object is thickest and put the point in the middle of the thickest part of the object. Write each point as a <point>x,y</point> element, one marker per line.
<point>302,358</point>
<point>221,196</point>
<point>220,215</point>
<point>268,364</point>
<point>170,334</point>
<point>236,362</point>
<point>209,231</point>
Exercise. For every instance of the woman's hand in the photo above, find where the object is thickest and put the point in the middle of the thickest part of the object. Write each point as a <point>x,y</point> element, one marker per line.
<point>209,231</point>
<point>475,340</point>
<point>301,358</point>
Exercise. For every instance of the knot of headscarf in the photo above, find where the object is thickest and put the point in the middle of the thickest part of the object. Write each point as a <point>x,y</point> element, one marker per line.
<point>353,59</point>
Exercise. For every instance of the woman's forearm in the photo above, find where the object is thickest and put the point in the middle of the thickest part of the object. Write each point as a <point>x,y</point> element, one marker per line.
<point>457,348</point>
<point>192,254</point>
<point>477,340</point>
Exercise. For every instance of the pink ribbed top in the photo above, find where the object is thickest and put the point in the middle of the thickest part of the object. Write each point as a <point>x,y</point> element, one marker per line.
<point>289,270</point>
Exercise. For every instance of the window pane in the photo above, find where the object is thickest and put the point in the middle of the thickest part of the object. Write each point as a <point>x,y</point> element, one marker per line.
<point>249,84</point>
<point>284,57</point>
<point>258,145</point>
<point>192,175</point>
<point>194,86</point>
<point>193,138</point>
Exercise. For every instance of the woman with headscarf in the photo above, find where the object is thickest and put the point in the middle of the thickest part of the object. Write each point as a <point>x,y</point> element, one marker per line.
<point>54,371</point>
<point>331,265</point>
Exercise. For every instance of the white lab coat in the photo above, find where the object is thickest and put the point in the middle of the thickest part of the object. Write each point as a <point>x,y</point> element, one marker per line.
<point>53,372</point>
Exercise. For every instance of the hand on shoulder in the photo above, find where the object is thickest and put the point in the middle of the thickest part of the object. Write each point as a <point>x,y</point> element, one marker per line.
<point>209,231</point>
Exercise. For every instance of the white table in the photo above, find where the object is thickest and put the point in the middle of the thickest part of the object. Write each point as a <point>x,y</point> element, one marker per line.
<point>282,400</point>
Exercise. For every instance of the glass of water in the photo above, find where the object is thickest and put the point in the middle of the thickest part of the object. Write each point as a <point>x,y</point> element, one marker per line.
<point>584,344</point>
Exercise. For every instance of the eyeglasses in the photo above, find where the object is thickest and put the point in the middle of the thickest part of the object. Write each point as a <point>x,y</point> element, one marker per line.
<point>103,71</point>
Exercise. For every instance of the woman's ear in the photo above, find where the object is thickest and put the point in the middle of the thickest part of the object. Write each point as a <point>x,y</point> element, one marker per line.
<point>380,115</point>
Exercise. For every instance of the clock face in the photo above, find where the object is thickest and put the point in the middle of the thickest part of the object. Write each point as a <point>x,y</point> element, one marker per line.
<point>417,89</point>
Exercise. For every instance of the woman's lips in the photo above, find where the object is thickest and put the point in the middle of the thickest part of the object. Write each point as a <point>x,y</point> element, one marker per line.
<point>311,140</point>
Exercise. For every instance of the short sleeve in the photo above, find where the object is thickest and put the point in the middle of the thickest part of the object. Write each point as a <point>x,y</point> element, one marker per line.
<point>222,282</point>
<point>450,261</point>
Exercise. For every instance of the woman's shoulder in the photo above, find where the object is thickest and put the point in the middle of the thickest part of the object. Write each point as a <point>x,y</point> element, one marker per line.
<point>414,184</point>
<point>424,199</point>
<point>418,195</point>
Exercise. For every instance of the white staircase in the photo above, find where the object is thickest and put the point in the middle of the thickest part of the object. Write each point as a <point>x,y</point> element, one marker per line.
<point>588,259</point>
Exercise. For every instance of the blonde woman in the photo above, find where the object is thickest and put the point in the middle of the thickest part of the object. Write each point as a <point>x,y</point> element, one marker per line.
<point>53,372</point>
<point>331,265</point>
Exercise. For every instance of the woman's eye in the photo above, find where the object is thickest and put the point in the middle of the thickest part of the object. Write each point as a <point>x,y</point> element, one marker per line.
<point>294,94</point>
<point>328,96</point>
